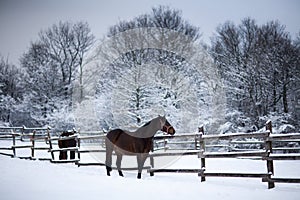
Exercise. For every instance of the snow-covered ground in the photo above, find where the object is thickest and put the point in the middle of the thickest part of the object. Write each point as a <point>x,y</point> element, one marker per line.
<point>27,179</point>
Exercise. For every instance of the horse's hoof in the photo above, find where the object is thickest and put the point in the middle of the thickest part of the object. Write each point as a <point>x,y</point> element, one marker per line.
<point>139,176</point>
<point>108,170</point>
<point>121,174</point>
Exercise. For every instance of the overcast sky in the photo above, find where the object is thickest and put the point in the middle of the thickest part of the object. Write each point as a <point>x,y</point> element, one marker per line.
<point>21,20</point>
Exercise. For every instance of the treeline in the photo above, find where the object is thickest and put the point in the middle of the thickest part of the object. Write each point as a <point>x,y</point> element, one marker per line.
<point>259,66</point>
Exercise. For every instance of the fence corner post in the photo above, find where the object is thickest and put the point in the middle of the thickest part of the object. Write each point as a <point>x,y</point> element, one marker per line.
<point>269,150</point>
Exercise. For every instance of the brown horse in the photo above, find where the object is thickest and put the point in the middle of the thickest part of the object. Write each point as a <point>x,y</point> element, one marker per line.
<point>138,143</point>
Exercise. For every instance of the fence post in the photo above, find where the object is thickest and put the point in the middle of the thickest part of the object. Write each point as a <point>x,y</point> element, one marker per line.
<point>196,141</point>
<point>269,150</point>
<point>78,144</point>
<point>202,149</point>
<point>14,143</point>
<point>33,143</point>
<point>22,132</point>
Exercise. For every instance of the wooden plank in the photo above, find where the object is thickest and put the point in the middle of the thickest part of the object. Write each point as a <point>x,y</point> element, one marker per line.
<point>182,142</point>
<point>294,156</point>
<point>281,180</point>
<point>241,175</point>
<point>233,154</point>
<point>247,142</point>
<point>6,148</point>
<point>92,133</point>
<point>89,164</point>
<point>64,161</point>
<point>174,153</point>
<point>16,134</point>
<point>160,141</point>
<point>174,170</point>
<point>41,148</point>
<point>6,136</point>
<point>91,137</point>
<point>6,154</point>
<point>163,148</point>
<point>131,168</point>
<point>114,168</point>
<point>236,135</point>
<point>44,159</point>
<point>3,133</point>
<point>8,128</point>
<point>279,137</point>
<point>37,128</point>
<point>92,151</point>
<point>287,148</point>
<point>216,145</point>
<point>21,146</point>
<point>240,150</point>
<point>167,148</point>
<point>25,157</point>
<point>159,137</point>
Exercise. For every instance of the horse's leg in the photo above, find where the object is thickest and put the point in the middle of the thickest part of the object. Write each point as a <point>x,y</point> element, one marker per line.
<point>118,163</point>
<point>141,158</point>
<point>109,150</point>
<point>72,154</point>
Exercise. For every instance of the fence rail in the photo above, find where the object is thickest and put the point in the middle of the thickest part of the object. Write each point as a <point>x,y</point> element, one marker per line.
<point>197,144</point>
<point>264,139</point>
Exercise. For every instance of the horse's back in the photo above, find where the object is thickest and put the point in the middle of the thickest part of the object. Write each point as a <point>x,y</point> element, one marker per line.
<point>127,143</point>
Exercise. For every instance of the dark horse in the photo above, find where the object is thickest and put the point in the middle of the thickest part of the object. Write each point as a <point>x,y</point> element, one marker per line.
<point>63,155</point>
<point>137,143</point>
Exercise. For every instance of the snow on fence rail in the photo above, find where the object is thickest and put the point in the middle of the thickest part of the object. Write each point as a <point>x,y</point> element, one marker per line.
<point>199,144</point>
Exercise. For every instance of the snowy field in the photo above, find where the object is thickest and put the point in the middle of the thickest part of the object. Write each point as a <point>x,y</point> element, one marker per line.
<point>27,179</point>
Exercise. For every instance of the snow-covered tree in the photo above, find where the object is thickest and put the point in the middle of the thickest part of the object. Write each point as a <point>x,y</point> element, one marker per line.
<point>153,64</point>
<point>257,64</point>
<point>11,89</point>
<point>52,63</point>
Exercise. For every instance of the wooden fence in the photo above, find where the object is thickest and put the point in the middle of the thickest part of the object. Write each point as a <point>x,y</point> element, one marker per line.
<point>265,146</point>
<point>266,153</point>
<point>28,138</point>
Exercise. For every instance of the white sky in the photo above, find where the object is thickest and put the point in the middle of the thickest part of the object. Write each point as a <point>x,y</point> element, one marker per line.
<point>21,20</point>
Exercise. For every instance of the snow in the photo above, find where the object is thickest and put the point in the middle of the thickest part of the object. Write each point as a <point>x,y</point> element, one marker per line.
<point>27,179</point>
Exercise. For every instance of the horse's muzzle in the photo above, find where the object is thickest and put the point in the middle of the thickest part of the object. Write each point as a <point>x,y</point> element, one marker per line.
<point>171,130</point>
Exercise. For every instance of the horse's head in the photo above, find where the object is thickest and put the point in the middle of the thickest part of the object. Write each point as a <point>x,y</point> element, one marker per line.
<point>166,126</point>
